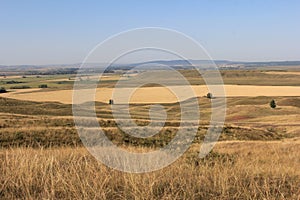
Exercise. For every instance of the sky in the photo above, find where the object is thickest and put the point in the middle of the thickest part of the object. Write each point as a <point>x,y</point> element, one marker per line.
<point>64,31</point>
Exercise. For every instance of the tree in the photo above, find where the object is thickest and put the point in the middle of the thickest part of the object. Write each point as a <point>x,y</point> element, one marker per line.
<point>273,104</point>
<point>209,95</point>
<point>2,90</point>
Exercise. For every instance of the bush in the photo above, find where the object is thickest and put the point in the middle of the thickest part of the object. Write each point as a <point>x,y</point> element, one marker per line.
<point>273,104</point>
<point>43,86</point>
<point>2,90</point>
<point>13,82</point>
<point>111,101</point>
<point>20,87</point>
<point>209,95</point>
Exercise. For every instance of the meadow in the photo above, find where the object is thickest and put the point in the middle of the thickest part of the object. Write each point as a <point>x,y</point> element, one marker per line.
<point>257,156</point>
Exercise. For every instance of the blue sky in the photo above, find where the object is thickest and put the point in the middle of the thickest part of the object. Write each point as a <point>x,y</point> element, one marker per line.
<point>61,31</point>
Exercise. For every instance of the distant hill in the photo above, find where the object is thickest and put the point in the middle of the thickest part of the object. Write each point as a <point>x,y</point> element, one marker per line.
<point>219,62</point>
<point>179,64</point>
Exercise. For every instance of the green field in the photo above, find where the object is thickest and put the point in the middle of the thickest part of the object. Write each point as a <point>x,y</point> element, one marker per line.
<point>230,77</point>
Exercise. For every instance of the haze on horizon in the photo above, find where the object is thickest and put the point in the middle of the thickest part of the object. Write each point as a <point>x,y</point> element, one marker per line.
<point>62,32</point>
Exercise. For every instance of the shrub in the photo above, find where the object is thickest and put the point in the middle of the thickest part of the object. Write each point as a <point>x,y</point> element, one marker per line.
<point>2,90</point>
<point>209,95</point>
<point>43,86</point>
<point>13,82</point>
<point>20,87</point>
<point>273,104</point>
<point>111,101</point>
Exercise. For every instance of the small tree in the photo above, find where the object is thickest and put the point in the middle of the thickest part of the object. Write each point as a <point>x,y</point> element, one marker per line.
<point>209,95</point>
<point>2,90</point>
<point>273,104</point>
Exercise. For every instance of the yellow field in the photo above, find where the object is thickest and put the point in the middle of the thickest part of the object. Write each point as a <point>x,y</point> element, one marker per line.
<point>282,73</point>
<point>1,77</point>
<point>153,94</point>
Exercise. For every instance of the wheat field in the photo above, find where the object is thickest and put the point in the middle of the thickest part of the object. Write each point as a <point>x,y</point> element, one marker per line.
<point>152,94</point>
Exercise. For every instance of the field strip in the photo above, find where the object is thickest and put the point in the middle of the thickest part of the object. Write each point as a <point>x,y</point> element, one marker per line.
<point>153,94</point>
<point>294,140</point>
<point>202,122</point>
<point>282,73</point>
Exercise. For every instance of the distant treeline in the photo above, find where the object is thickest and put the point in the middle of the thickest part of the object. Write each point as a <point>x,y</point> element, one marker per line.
<point>175,64</point>
<point>53,71</point>
<point>69,71</point>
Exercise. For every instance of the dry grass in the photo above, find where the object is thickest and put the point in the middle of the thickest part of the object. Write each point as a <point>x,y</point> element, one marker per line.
<point>24,123</point>
<point>236,170</point>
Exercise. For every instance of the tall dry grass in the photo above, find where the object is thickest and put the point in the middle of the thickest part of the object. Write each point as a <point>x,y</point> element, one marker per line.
<point>236,170</point>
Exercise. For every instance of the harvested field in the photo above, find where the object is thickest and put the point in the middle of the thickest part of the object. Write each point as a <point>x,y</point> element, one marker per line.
<point>154,94</point>
<point>282,73</point>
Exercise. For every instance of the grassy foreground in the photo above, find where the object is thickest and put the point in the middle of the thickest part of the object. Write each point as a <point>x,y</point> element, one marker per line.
<point>235,170</point>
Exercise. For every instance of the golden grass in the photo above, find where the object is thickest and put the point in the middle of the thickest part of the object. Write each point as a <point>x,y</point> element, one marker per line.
<point>236,170</point>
